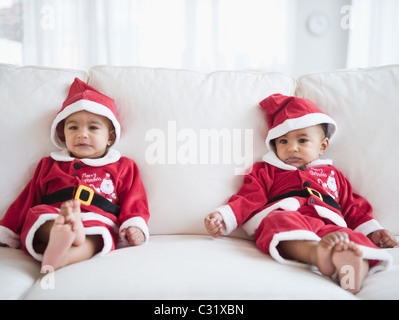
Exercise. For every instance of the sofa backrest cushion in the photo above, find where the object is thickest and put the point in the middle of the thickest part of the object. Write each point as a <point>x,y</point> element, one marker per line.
<point>365,105</point>
<point>191,134</point>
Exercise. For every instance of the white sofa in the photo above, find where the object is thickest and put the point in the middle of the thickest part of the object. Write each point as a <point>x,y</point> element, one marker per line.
<point>192,135</point>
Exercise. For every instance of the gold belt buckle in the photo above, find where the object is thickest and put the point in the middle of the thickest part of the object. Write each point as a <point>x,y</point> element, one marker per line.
<point>79,191</point>
<point>315,193</point>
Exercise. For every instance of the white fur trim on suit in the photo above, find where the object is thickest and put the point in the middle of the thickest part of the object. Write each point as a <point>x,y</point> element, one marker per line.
<point>385,259</point>
<point>305,121</point>
<point>271,158</point>
<point>31,234</point>
<point>104,233</point>
<point>303,235</point>
<point>137,222</point>
<point>112,156</point>
<point>288,204</point>
<point>9,238</point>
<point>92,216</point>
<point>100,230</point>
<point>229,219</point>
<point>330,215</point>
<point>369,227</point>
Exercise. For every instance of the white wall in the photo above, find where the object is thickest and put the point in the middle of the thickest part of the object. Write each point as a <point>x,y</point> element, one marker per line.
<point>307,52</point>
<point>320,52</point>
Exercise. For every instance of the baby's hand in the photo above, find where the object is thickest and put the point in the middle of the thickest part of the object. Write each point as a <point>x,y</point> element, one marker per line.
<point>134,236</point>
<point>214,224</point>
<point>384,239</point>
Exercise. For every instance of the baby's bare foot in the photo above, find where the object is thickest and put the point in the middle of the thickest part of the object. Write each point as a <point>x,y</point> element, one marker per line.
<point>352,268</point>
<point>324,250</point>
<point>67,231</point>
<point>71,212</point>
<point>61,239</point>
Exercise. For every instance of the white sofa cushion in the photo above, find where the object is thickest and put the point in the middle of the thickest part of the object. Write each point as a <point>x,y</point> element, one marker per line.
<point>18,273</point>
<point>365,105</point>
<point>188,267</point>
<point>183,107</point>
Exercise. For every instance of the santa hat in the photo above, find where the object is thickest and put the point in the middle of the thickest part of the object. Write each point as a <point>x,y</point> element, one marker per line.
<point>83,97</point>
<point>286,113</point>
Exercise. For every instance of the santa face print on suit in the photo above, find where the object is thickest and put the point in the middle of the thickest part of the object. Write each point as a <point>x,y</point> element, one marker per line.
<point>300,147</point>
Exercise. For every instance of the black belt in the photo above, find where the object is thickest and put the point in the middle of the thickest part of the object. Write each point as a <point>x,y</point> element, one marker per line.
<point>306,193</point>
<point>85,195</point>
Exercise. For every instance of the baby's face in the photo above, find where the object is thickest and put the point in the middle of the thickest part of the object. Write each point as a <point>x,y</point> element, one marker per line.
<point>300,147</point>
<point>88,135</point>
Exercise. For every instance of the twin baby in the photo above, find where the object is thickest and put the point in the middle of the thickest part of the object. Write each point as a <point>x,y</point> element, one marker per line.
<point>85,198</point>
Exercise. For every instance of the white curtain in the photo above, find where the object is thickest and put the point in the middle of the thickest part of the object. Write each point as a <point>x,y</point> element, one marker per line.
<point>374,33</point>
<point>202,35</point>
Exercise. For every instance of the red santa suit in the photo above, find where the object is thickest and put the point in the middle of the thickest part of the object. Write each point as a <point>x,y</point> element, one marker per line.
<point>110,189</point>
<point>279,202</point>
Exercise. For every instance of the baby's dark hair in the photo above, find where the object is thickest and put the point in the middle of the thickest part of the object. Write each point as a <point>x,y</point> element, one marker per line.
<point>324,126</point>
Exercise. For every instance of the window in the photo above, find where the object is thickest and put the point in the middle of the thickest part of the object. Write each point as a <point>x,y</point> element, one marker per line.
<point>11,31</point>
<point>203,35</point>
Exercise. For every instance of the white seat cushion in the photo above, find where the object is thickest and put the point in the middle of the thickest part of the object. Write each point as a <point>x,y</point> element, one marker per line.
<point>18,272</point>
<point>188,267</point>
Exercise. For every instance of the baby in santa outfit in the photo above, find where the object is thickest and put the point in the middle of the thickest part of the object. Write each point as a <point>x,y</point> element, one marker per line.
<point>82,198</point>
<point>299,207</point>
